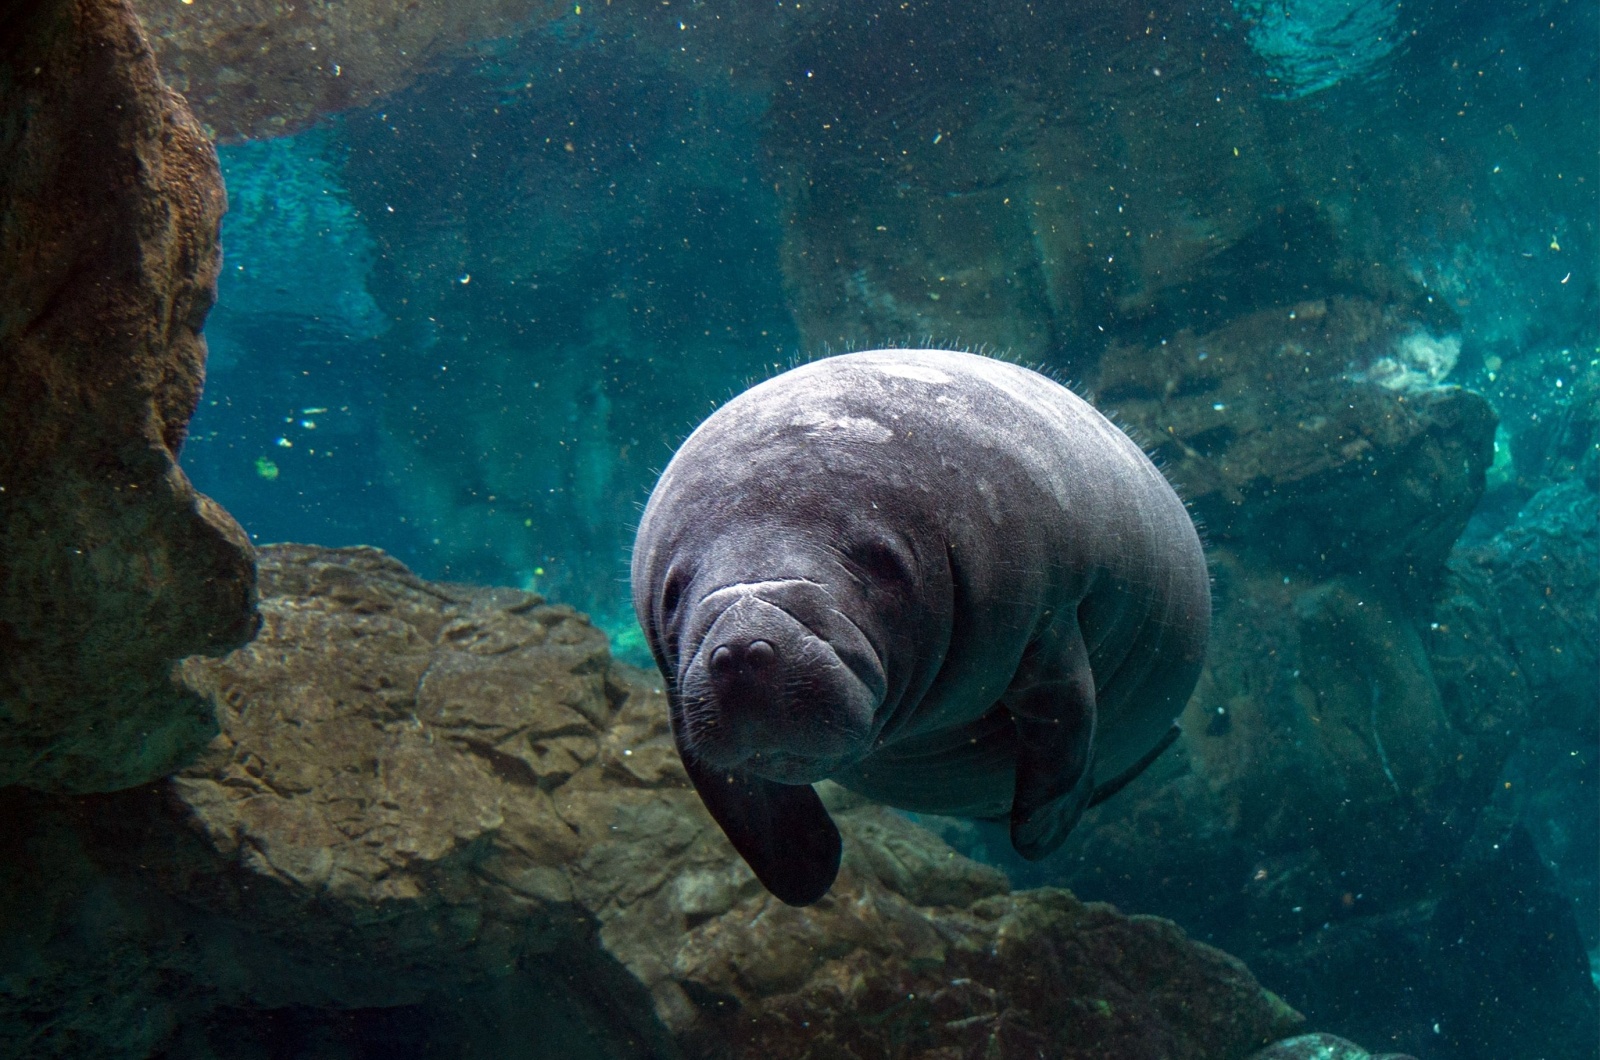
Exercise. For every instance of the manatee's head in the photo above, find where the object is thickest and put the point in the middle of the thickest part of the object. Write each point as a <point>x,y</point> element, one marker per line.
<point>780,649</point>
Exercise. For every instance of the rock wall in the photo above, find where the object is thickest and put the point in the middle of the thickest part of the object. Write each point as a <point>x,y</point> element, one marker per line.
<point>112,567</point>
<point>1294,431</point>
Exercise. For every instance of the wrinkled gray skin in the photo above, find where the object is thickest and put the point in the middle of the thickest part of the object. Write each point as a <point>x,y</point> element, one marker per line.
<point>942,580</point>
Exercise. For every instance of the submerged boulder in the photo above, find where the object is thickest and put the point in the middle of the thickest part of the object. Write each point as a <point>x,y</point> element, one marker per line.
<point>437,799</point>
<point>1515,646</point>
<point>112,567</point>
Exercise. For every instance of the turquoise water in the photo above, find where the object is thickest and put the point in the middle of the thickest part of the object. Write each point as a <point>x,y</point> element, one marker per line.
<point>470,321</point>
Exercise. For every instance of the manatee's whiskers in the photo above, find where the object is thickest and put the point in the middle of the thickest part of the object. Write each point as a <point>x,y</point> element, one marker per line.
<point>698,718</point>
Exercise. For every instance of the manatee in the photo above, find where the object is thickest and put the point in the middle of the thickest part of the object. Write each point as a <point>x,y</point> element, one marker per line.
<point>941,580</point>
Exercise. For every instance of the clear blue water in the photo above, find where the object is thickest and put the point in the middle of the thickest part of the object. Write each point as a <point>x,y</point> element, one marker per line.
<point>469,322</point>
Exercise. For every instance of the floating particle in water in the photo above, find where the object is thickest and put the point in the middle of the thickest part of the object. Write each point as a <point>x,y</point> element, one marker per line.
<point>266,468</point>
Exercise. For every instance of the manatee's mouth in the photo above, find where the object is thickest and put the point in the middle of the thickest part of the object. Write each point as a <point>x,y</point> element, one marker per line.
<point>806,710</point>
<point>700,732</point>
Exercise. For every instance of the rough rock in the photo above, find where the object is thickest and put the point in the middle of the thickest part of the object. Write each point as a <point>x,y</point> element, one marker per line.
<point>438,799</point>
<point>1037,973</point>
<point>1318,709</point>
<point>1504,930</point>
<point>1515,647</point>
<point>111,566</point>
<point>1316,432</point>
<point>1051,177</point>
<point>1338,809</point>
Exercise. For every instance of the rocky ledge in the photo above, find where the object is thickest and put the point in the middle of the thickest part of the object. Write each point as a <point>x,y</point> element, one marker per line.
<point>443,812</point>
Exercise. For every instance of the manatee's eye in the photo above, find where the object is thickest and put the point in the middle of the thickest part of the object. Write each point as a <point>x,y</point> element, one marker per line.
<point>886,562</point>
<point>672,592</point>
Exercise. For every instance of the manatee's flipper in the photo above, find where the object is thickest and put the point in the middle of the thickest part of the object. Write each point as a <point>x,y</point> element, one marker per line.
<point>1052,703</point>
<point>1121,780</point>
<point>782,831</point>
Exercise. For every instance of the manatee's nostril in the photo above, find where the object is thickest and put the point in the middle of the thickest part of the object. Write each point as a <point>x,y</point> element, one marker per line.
<point>760,654</point>
<point>734,661</point>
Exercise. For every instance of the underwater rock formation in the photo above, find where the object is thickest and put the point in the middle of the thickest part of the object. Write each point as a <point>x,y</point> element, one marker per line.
<point>255,69</point>
<point>1059,175</point>
<point>1515,647</point>
<point>112,567</point>
<point>448,802</point>
<point>1312,432</point>
<point>1491,967</point>
<point>1444,903</point>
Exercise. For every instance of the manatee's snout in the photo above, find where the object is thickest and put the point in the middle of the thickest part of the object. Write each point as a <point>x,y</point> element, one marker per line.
<point>767,692</point>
